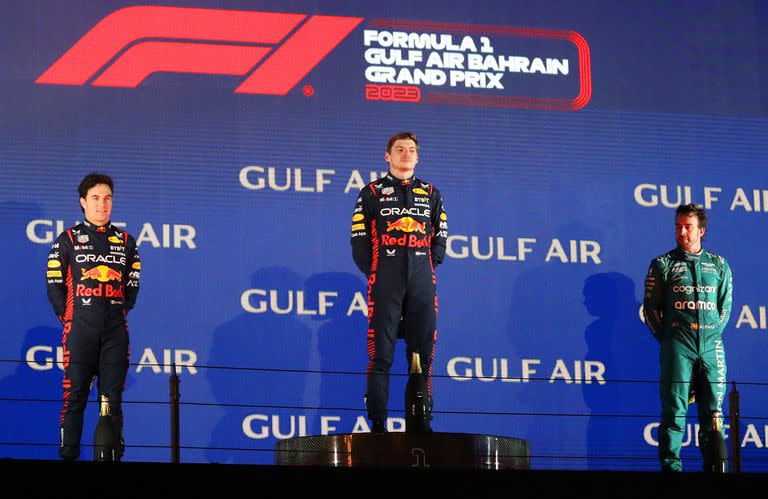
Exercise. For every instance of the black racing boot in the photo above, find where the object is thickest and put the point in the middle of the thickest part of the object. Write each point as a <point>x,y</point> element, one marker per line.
<point>378,426</point>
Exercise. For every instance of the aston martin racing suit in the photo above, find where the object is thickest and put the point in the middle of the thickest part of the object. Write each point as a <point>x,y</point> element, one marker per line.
<point>93,280</point>
<point>399,232</point>
<point>686,306</point>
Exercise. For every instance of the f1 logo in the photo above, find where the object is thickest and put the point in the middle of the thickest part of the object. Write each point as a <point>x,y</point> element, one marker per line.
<point>131,39</point>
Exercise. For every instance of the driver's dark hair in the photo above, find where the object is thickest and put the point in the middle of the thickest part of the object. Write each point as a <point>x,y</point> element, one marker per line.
<point>91,180</point>
<point>402,136</point>
<point>692,209</point>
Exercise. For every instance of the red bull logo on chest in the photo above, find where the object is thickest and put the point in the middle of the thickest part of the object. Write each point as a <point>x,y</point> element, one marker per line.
<point>101,273</point>
<point>406,224</point>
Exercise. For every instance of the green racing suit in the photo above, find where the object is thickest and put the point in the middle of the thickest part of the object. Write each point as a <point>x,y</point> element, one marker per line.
<point>686,306</point>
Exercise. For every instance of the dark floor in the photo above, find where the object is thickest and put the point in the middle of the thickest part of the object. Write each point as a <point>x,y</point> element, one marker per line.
<point>143,479</point>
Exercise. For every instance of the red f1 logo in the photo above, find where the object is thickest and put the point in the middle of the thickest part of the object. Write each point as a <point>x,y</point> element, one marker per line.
<point>132,40</point>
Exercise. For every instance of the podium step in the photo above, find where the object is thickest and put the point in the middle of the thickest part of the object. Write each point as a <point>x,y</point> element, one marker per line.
<point>405,450</point>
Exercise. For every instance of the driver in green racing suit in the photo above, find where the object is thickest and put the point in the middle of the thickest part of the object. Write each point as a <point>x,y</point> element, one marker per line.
<point>686,306</point>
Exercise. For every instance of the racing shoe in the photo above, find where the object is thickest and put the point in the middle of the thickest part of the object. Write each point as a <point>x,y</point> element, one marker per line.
<point>378,426</point>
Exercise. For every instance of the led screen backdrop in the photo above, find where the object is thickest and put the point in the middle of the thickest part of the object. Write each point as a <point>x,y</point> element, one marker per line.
<point>561,135</point>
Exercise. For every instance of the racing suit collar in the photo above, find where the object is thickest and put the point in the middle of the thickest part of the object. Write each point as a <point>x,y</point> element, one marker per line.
<point>400,181</point>
<point>98,228</point>
<point>684,255</point>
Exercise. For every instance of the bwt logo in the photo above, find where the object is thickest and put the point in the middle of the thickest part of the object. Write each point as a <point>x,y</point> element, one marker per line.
<point>130,44</point>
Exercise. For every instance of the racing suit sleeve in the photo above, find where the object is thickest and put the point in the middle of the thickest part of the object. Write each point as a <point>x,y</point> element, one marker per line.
<point>653,301</point>
<point>361,238</point>
<point>56,275</point>
<point>725,296</point>
<point>132,273</point>
<point>439,230</point>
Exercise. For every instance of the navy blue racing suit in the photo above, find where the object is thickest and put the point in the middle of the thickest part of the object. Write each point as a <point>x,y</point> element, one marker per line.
<point>399,232</point>
<point>92,279</point>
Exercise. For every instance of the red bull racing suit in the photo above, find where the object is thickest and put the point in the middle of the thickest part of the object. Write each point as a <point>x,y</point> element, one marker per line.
<point>92,278</point>
<point>399,232</point>
<point>686,306</point>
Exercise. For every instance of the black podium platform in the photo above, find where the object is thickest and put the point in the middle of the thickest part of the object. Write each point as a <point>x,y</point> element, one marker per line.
<point>405,450</point>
